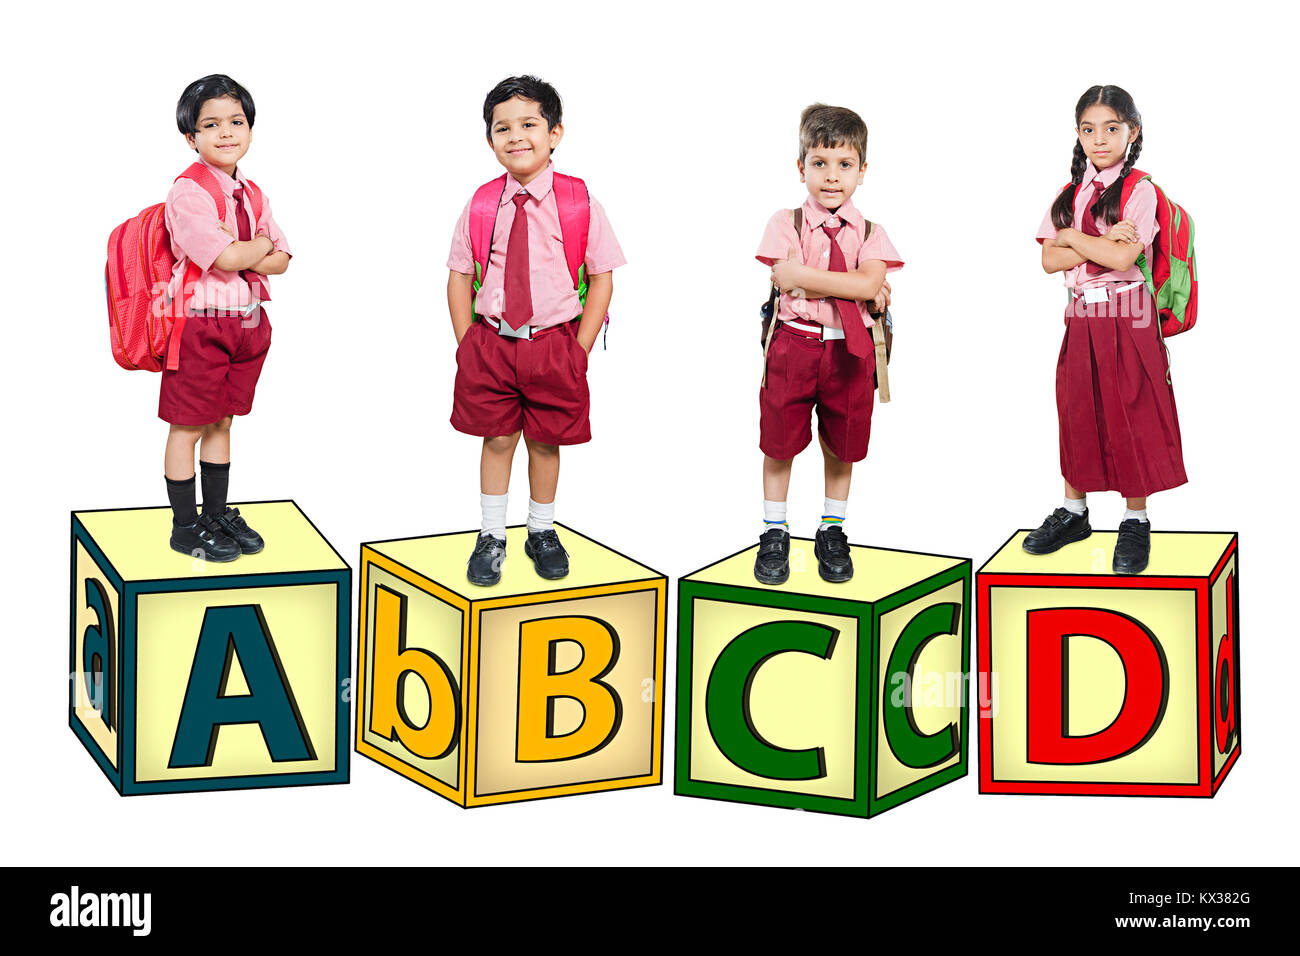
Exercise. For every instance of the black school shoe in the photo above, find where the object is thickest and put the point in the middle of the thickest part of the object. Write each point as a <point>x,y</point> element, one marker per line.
<point>772,565</point>
<point>485,563</point>
<point>834,558</point>
<point>1062,527</point>
<point>204,539</point>
<point>1132,547</point>
<point>549,557</point>
<point>249,541</point>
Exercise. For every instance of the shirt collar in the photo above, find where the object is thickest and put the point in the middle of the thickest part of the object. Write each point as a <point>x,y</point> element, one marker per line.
<point>815,214</point>
<point>1106,176</point>
<point>228,185</point>
<point>538,188</point>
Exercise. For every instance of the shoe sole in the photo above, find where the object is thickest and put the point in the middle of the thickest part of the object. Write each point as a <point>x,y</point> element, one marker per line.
<point>1024,546</point>
<point>206,556</point>
<point>256,550</point>
<point>540,573</point>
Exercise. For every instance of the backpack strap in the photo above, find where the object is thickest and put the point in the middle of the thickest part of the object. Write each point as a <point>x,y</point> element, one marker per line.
<point>574,205</point>
<point>1134,177</point>
<point>482,224</point>
<point>200,174</point>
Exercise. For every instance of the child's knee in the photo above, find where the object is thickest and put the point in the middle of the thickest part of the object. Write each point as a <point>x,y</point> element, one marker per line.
<point>501,444</point>
<point>542,449</point>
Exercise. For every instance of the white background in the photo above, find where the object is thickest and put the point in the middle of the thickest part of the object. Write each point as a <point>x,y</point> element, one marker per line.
<point>683,120</point>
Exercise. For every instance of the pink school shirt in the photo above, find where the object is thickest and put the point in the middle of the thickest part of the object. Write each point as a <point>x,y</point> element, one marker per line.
<point>815,250</point>
<point>195,228</point>
<point>555,300</point>
<point>1141,211</point>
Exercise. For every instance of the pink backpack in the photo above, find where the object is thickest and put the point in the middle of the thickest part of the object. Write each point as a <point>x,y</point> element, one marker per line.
<point>574,205</point>
<point>144,327</point>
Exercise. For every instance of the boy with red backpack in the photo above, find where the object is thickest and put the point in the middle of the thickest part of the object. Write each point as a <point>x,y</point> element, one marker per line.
<point>208,333</point>
<point>531,263</point>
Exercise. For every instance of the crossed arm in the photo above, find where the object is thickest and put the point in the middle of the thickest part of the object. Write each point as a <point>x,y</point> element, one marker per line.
<point>864,284</point>
<point>252,255</point>
<point>1117,250</point>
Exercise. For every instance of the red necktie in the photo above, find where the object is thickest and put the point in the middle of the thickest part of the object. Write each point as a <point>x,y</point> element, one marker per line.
<point>255,281</point>
<point>1088,225</point>
<point>855,332</point>
<point>519,295</point>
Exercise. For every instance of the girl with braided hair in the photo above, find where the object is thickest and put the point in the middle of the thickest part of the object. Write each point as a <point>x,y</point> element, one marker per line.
<point>1118,422</point>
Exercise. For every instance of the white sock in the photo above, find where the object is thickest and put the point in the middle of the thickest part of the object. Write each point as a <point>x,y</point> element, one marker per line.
<point>1140,515</point>
<point>833,513</point>
<point>1076,505</point>
<point>494,515</point>
<point>541,517</point>
<point>774,515</point>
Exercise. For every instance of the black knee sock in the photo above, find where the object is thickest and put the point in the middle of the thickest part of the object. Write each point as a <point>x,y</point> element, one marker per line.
<point>216,484</point>
<point>181,496</point>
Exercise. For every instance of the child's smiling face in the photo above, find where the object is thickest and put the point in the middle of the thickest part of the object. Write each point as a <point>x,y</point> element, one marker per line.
<point>832,173</point>
<point>520,139</point>
<point>1103,137</point>
<point>223,133</point>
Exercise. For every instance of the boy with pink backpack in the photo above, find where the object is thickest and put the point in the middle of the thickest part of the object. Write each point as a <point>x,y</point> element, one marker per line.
<point>531,263</point>
<point>186,283</point>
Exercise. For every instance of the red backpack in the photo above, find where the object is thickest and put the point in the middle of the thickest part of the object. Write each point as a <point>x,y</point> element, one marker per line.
<point>1172,276</point>
<point>141,320</point>
<point>574,205</point>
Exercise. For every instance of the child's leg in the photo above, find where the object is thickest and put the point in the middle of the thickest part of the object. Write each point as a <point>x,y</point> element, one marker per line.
<point>1076,502</point>
<point>214,459</point>
<point>839,474</point>
<point>776,487</point>
<point>1137,508</point>
<point>543,480</point>
<point>178,469</point>
<point>494,481</point>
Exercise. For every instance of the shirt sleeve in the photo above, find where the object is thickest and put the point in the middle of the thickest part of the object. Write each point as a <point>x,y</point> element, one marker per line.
<point>461,257</point>
<point>603,251</point>
<point>267,224</point>
<point>778,239</point>
<point>1141,211</point>
<point>195,224</point>
<point>1046,229</point>
<point>879,247</point>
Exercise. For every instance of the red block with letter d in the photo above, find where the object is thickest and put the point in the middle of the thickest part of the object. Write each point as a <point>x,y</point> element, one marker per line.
<point>1097,683</point>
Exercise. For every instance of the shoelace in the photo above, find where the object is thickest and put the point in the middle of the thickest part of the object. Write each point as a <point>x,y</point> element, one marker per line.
<point>547,541</point>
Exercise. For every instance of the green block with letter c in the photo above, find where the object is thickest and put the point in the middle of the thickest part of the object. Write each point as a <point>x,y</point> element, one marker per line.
<point>841,698</point>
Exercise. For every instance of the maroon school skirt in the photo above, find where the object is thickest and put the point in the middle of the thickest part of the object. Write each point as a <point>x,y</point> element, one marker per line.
<point>1119,424</point>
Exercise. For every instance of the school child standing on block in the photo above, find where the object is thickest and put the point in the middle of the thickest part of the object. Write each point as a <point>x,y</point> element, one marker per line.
<point>224,250</point>
<point>531,262</point>
<point>829,263</point>
<point>1118,422</point>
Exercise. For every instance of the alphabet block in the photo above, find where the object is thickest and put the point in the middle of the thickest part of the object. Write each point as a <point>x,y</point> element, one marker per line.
<point>1110,684</point>
<point>843,698</point>
<point>192,675</point>
<point>529,688</point>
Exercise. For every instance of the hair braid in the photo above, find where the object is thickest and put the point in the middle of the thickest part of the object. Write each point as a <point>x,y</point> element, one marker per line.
<point>1107,205</point>
<point>1063,208</point>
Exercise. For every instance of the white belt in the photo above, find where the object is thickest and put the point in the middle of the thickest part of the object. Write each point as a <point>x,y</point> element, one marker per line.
<point>503,328</point>
<point>824,331</point>
<point>1102,293</point>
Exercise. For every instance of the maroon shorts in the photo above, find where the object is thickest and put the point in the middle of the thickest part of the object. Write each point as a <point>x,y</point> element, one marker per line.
<point>539,386</point>
<point>220,360</point>
<point>805,373</point>
<point>1118,422</point>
